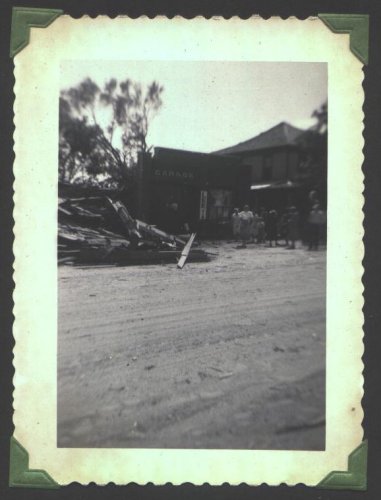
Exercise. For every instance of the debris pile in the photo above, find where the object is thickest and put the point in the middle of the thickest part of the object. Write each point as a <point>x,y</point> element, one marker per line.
<point>99,230</point>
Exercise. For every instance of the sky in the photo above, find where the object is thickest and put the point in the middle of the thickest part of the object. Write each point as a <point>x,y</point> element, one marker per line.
<point>208,106</point>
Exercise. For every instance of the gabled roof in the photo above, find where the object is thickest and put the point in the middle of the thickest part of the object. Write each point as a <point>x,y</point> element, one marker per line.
<point>282,134</point>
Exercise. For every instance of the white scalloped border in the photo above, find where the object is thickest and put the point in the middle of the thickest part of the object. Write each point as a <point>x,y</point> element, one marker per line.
<point>105,466</point>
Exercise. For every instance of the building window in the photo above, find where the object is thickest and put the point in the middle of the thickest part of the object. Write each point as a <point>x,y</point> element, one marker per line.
<point>267,168</point>
<point>220,204</point>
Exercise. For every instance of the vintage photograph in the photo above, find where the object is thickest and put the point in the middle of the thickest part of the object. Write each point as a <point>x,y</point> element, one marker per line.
<point>188,251</point>
<point>192,216</point>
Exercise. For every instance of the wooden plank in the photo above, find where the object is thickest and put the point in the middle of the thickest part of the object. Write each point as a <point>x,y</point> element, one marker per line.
<point>64,211</point>
<point>87,198</point>
<point>185,252</point>
<point>128,222</point>
<point>65,259</point>
<point>64,252</point>
<point>83,212</point>
<point>158,233</point>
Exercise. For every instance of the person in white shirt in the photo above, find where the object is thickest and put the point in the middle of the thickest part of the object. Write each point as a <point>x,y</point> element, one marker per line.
<point>236,224</point>
<point>246,218</point>
<point>254,228</point>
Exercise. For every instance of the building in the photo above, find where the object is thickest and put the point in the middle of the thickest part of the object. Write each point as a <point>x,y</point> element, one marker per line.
<point>271,170</point>
<point>281,162</point>
<point>204,187</point>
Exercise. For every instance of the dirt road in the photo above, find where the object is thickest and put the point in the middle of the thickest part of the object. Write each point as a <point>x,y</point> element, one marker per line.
<point>225,354</point>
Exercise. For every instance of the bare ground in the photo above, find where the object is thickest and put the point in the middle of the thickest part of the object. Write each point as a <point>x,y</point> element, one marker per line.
<point>225,354</point>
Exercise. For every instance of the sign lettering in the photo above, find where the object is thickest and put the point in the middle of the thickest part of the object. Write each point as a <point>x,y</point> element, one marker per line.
<point>173,174</point>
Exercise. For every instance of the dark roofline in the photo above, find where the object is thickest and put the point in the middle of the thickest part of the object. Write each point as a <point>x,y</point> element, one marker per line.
<point>248,141</point>
<point>249,152</point>
<point>198,153</point>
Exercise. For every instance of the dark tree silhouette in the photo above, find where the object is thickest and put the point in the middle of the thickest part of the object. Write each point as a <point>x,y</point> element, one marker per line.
<point>102,131</point>
<point>313,168</point>
<point>321,115</point>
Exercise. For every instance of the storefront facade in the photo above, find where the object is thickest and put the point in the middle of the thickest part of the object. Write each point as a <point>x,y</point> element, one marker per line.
<point>203,188</point>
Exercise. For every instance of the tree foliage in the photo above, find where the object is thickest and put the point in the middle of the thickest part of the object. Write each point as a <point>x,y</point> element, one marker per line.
<point>321,116</point>
<point>313,169</point>
<point>102,130</point>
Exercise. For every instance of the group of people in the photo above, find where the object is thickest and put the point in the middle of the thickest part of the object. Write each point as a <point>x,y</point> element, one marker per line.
<point>262,226</point>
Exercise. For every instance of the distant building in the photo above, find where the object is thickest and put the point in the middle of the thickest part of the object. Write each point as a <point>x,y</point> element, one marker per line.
<point>271,170</point>
<point>279,161</point>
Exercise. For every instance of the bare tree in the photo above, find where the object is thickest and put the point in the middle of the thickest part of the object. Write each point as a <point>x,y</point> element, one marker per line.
<point>103,130</point>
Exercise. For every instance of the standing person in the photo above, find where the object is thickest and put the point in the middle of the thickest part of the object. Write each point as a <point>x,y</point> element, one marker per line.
<point>246,219</point>
<point>236,224</point>
<point>316,220</point>
<point>261,229</point>
<point>313,198</point>
<point>292,227</point>
<point>264,215</point>
<point>255,228</point>
<point>283,226</point>
<point>272,228</point>
<point>172,217</point>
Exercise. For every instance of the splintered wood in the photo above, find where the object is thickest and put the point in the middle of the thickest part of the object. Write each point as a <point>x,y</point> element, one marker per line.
<point>99,230</point>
